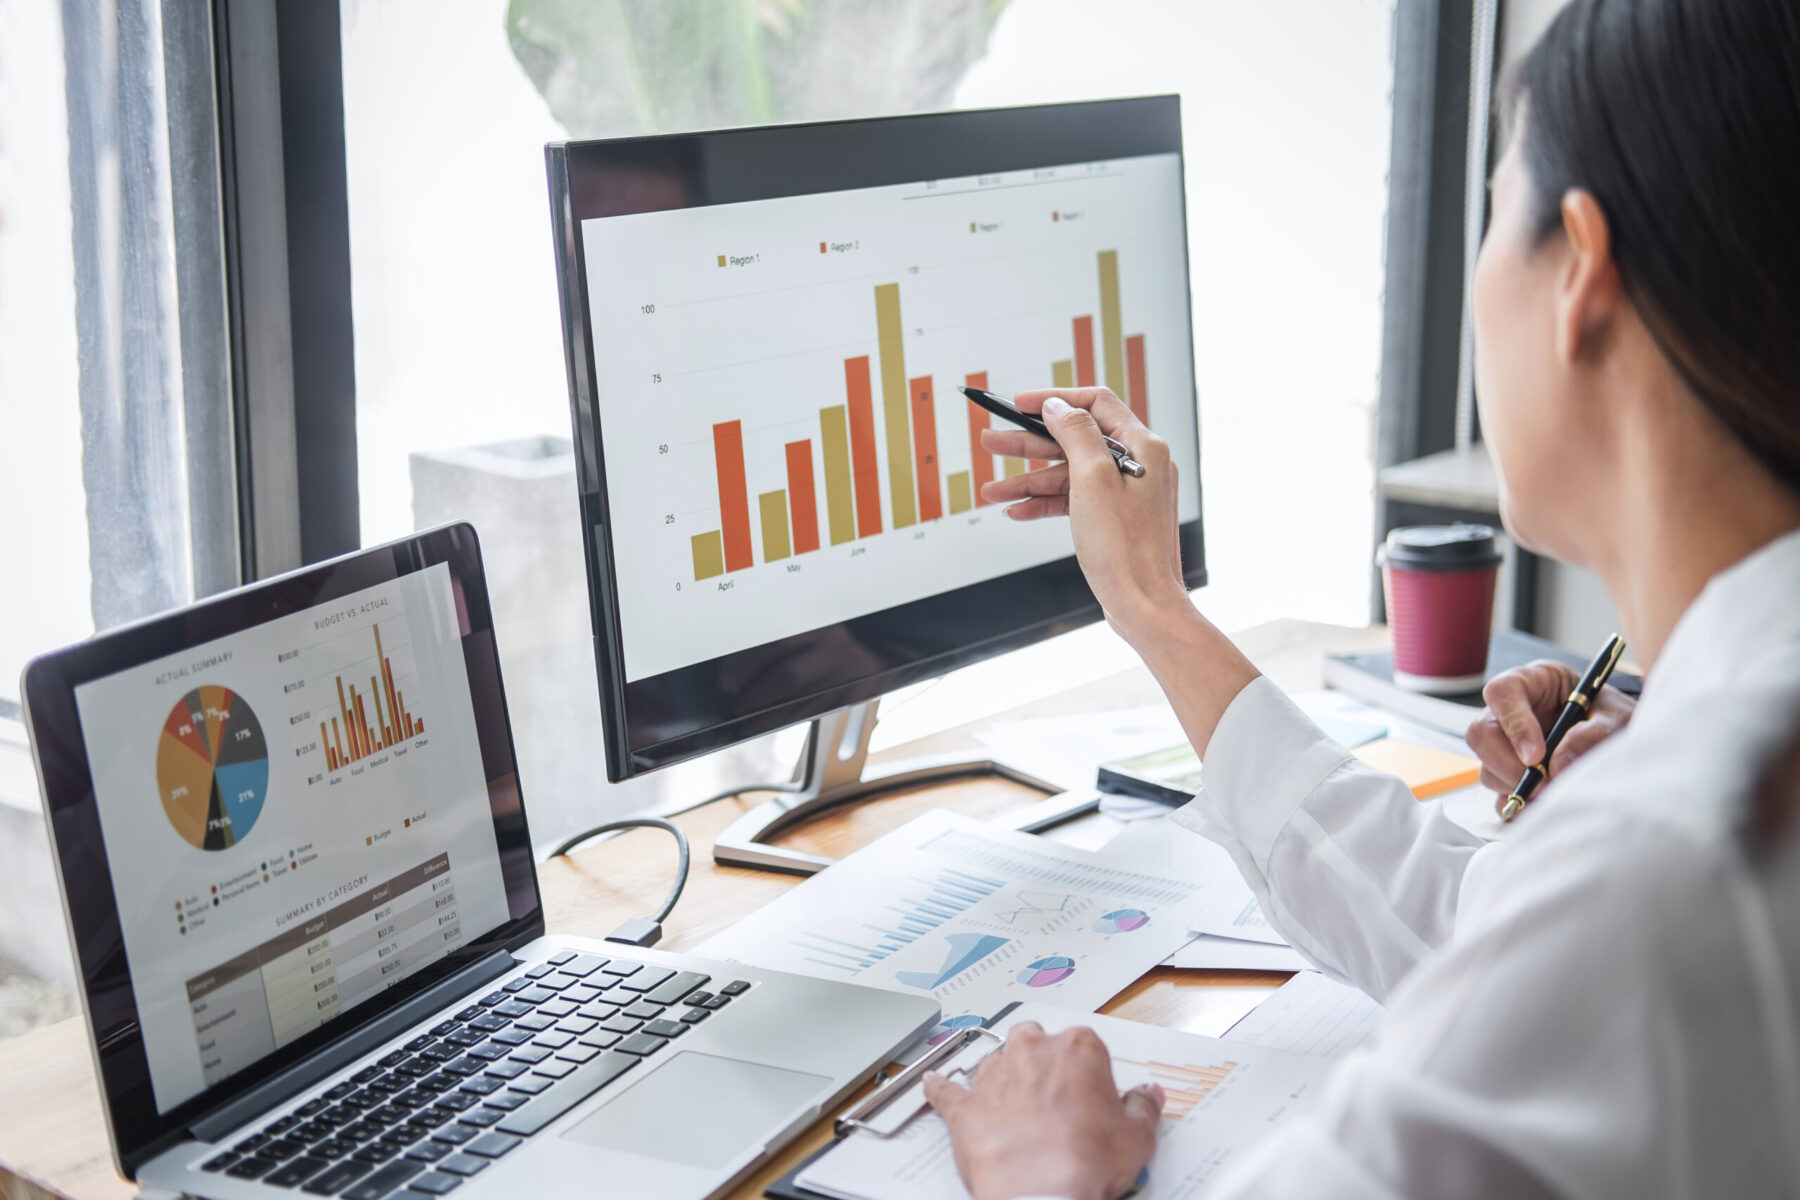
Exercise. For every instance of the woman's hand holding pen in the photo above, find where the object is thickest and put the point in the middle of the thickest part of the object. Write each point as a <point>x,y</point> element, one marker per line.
<point>1127,539</point>
<point>1124,528</point>
<point>1522,703</point>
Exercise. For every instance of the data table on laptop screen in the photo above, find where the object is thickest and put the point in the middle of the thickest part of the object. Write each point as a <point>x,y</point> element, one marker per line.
<point>785,448</point>
<point>296,818</point>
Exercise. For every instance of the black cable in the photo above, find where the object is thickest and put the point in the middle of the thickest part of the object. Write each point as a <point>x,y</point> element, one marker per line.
<point>787,788</point>
<point>681,844</point>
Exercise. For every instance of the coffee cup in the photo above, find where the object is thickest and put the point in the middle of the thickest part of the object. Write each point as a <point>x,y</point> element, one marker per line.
<point>1439,582</point>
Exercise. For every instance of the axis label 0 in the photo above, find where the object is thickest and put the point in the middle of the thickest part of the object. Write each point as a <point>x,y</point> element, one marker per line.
<point>212,768</point>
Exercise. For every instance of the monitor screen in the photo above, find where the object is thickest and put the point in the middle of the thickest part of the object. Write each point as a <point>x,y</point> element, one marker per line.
<point>783,484</point>
<point>285,808</point>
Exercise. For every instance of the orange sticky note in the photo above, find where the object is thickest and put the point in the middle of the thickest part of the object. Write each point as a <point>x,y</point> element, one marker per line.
<point>1426,771</point>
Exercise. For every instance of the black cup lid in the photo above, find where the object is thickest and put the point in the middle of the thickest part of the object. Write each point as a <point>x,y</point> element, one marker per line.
<point>1440,548</point>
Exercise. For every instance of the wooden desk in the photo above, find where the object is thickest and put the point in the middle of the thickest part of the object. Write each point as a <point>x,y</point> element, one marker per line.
<point>52,1138</point>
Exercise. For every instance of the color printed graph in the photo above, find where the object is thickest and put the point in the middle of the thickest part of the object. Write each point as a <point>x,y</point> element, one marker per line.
<point>1034,904</point>
<point>788,517</point>
<point>353,735</point>
<point>1045,971</point>
<point>1122,920</point>
<point>212,768</point>
<point>1184,1085</point>
<point>962,951</point>
<point>935,901</point>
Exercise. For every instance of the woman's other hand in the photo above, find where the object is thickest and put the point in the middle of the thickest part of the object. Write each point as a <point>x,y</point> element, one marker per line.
<point>1044,1119</point>
<point>1522,704</point>
<point>1126,530</point>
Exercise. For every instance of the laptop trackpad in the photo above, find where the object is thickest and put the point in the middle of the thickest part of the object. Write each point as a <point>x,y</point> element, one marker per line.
<point>701,1110</point>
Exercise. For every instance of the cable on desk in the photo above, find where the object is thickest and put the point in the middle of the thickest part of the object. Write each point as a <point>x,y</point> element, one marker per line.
<point>640,931</point>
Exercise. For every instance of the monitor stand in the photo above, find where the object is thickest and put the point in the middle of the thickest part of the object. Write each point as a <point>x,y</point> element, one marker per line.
<point>833,771</point>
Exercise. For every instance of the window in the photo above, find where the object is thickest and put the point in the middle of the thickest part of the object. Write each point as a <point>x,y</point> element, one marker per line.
<point>462,404</point>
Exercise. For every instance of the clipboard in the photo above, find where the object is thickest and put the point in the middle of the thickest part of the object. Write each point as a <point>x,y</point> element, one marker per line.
<point>855,1118</point>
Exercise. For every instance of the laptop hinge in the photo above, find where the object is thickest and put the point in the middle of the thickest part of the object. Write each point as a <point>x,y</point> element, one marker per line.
<point>280,1088</point>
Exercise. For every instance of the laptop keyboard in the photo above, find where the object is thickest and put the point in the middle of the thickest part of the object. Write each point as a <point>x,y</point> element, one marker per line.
<point>449,1102</point>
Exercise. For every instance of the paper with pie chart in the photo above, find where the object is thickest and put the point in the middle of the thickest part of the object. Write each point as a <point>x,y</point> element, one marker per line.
<point>977,916</point>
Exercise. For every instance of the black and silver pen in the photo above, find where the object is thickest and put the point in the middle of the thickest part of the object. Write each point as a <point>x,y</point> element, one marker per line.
<point>1003,408</point>
<point>1575,710</point>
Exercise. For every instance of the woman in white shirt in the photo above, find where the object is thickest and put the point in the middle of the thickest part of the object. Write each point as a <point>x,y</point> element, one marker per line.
<point>1604,1005</point>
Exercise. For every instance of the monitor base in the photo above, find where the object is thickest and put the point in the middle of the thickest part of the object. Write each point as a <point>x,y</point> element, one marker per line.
<point>833,772</point>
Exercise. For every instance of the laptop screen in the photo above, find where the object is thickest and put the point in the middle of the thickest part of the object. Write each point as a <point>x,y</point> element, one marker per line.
<point>302,801</point>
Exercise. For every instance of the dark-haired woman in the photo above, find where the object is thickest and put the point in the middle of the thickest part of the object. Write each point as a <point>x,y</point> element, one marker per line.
<point>1605,1005</point>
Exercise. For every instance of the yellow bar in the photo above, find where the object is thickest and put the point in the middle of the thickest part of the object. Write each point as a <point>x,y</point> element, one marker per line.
<point>1014,466</point>
<point>709,555</point>
<point>774,525</point>
<point>1112,329</point>
<point>840,509</point>
<point>959,493</point>
<point>895,405</point>
<point>1062,373</point>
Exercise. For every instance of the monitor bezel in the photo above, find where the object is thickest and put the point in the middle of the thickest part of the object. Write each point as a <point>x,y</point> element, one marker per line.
<point>90,905</point>
<point>624,176</point>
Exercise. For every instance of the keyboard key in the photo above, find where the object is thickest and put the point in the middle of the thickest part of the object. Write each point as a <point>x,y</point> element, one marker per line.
<point>736,987</point>
<point>621,1025</point>
<point>342,1090</point>
<point>648,978</point>
<point>581,994</point>
<point>464,1164</point>
<point>253,1142</point>
<point>598,1010</point>
<point>401,1136</point>
<point>577,1054</point>
<point>313,1108</point>
<point>375,1154</point>
<point>455,1102</point>
<point>505,1070</point>
<point>489,1053</point>
<point>552,1040</point>
<point>535,1022</point>
<point>419,1043</point>
<point>442,1027</point>
<point>434,1184</point>
<point>482,1085</point>
<point>556,982</point>
<point>539,971</point>
<point>296,1173</point>
<point>600,1039</point>
<point>531,1085</point>
<point>429,1151</point>
<point>638,1043</point>
<point>466,1066</point>
<point>220,1163</point>
<point>667,1029</point>
<point>336,1179</point>
<point>530,1055</point>
<point>492,1145</point>
<point>561,957</point>
<point>555,1009</point>
<point>516,985</point>
<point>553,1069</point>
<point>717,1002</point>
<point>699,998</point>
<point>619,997</point>
<point>618,968</point>
<point>455,1134</point>
<point>575,1025</point>
<point>465,1038</point>
<point>332,1148</point>
<point>694,1016</point>
<point>438,1052</point>
<point>643,1011</point>
<point>587,1080</point>
<point>312,1131</point>
<point>535,995</point>
<point>512,1037</point>
<point>383,1181</point>
<point>282,1126</point>
<point>250,1168</point>
<point>392,1058</point>
<point>360,1131</point>
<point>488,1024</point>
<point>431,1118</point>
<point>674,989</point>
<point>281,1149</point>
<point>513,1008</point>
<point>583,965</point>
<point>468,1014</point>
<point>508,1100</point>
<point>493,998</point>
<point>367,1074</point>
<point>483,1116</point>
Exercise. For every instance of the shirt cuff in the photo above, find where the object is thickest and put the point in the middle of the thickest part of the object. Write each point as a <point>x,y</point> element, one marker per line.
<point>1265,758</point>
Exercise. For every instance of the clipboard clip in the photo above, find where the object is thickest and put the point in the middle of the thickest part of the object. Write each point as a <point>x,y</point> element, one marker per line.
<point>950,1047</point>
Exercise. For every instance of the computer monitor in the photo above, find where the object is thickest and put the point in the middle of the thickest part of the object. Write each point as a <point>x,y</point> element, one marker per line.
<point>780,486</point>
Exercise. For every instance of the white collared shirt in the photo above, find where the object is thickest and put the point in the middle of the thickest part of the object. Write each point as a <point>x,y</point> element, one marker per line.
<point>1604,1005</point>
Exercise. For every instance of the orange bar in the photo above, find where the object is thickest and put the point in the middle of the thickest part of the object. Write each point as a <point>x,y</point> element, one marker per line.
<point>363,733</point>
<point>924,417</point>
<point>803,501</point>
<point>420,725</point>
<point>351,727</point>
<point>1136,375</point>
<point>387,679</point>
<point>381,724</point>
<point>325,742</point>
<point>1084,352</point>
<point>337,741</point>
<point>862,445</point>
<point>345,709</point>
<point>981,460</point>
<point>734,493</point>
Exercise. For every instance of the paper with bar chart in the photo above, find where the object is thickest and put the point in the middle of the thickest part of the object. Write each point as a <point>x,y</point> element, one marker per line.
<point>296,818</point>
<point>784,445</point>
<point>979,917</point>
<point>1221,1100</point>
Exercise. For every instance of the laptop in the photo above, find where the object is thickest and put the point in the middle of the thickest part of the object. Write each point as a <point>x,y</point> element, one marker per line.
<point>299,885</point>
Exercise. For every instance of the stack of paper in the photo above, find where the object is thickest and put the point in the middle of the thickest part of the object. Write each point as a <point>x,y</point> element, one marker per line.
<point>1222,1098</point>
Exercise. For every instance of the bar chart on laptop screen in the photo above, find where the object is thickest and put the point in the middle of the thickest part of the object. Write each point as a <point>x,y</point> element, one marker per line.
<point>785,447</point>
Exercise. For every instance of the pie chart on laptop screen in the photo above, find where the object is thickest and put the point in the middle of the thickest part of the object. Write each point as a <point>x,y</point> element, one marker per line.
<point>212,768</point>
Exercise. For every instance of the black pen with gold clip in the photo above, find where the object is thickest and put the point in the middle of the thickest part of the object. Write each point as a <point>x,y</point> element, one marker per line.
<point>1574,712</point>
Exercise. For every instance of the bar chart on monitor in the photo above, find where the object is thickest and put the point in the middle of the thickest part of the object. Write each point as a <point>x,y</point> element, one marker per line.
<point>784,438</point>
